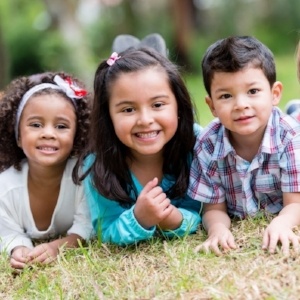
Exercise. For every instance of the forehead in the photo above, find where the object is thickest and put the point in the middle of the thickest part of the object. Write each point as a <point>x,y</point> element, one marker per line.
<point>46,102</point>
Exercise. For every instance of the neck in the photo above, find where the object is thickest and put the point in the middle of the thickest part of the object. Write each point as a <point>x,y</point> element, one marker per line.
<point>46,175</point>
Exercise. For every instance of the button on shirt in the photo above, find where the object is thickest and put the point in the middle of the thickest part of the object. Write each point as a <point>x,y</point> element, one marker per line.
<point>218,174</point>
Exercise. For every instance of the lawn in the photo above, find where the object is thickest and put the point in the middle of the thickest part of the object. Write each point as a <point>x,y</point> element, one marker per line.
<point>167,270</point>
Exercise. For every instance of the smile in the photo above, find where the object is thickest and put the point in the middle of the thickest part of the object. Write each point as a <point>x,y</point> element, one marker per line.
<point>49,149</point>
<point>147,135</point>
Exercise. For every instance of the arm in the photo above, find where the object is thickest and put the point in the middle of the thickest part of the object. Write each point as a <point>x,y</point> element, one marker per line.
<point>47,252</point>
<point>11,228</point>
<point>184,219</point>
<point>112,222</point>
<point>217,223</point>
<point>281,227</point>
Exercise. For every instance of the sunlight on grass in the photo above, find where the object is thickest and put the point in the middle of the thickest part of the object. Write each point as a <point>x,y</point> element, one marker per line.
<point>162,270</point>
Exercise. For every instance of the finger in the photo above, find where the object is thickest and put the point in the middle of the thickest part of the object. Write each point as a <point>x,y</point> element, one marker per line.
<point>285,245</point>
<point>227,243</point>
<point>17,264</point>
<point>273,243</point>
<point>266,240</point>
<point>295,242</point>
<point>165,211</point>
<point>149,186</point>
<point>40,258</point>
<point>231,242</point>
<point>213,245</point>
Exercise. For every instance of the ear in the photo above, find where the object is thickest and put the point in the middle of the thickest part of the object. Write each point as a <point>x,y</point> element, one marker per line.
<point>211,106</point>
<point>277,92</point>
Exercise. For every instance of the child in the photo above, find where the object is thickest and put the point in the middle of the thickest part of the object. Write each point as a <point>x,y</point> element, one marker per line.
<point>141,149</point>
<point>43,124</point>
<point>249,158</point>
<point>293,106</point>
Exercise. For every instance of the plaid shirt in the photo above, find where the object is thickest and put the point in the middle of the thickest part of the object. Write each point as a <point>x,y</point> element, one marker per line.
<point>218,174</point>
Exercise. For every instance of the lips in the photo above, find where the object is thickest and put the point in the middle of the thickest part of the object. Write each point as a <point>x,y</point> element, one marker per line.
<point>244,118</point>
<point>47,148</point>
<point>147,135</point>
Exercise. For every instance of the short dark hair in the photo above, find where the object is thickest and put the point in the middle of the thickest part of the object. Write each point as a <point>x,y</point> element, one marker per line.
<point>235,53</point>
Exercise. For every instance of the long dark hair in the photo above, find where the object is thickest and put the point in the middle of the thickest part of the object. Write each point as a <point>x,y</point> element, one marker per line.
<point>110,173</point>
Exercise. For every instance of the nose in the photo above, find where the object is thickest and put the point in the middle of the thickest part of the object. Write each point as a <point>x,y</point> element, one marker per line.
<point>48,132</point>
<point>241,102</point>
<point>145,118</point>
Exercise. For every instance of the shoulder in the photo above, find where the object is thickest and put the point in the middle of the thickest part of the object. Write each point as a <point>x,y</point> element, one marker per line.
<point>88,161</point>
<point>287,126</point>
<point>210,135</point>
<point>13,181</point>
<point>12,176</point>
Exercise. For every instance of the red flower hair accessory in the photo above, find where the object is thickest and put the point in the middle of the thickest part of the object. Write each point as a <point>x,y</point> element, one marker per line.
<point>71,89</point>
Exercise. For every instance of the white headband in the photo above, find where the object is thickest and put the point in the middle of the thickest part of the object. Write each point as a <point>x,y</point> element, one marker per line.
<point>67,86</point>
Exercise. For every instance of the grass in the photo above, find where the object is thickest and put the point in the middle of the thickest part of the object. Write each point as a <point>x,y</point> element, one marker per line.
<point>168,270</point>
<point>163,270</point>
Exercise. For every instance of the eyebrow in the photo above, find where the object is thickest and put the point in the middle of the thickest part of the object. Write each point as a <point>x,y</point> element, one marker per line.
<point>128,102</point>
<point>57,118</point>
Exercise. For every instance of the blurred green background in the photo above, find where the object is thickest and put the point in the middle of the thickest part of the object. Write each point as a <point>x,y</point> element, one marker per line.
<point>74,35</point>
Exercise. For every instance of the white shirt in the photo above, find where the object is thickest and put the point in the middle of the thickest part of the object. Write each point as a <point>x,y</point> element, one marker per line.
<point>17,226</point>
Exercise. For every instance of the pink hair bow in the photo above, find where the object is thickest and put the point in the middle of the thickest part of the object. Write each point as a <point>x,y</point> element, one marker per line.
<point>113,58</point>
<point>69,87</point>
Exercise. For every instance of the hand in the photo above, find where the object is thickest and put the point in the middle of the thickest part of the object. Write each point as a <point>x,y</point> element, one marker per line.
<point>19,257</point>
<point>280,231</point>
<point>218,236</point>
<point>44,253</point>
<point>172,221</point>
<point>152,205</point>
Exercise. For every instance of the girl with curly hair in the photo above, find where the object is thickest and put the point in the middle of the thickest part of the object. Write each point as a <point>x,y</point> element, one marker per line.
<point>44,120</point>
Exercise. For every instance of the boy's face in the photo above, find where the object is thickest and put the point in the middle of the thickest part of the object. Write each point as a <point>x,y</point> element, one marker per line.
<point>243,101</point>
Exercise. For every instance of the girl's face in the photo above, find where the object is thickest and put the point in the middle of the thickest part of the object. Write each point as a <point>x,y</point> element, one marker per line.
<point>47,130</point>
<point>143,110</point>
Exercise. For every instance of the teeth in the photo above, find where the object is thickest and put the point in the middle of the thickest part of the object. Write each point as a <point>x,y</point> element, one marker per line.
<point>147,135</point>
<point>47,149</point>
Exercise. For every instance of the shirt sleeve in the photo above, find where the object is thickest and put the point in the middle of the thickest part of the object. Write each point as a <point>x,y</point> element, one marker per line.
<point>190,210</point>
<point>290,166</point>
<point>113,223</point>
<point>205,182</point>
<point>82,224</point>
<point>11,232</point>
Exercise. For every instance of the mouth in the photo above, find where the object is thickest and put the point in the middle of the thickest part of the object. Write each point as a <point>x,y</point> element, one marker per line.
<point>243,118</point>
<point>147,135</point>
<point>47,148</point>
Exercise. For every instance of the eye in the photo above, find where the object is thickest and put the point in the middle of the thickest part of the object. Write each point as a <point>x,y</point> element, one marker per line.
<point>225,96</point>
<point>35,125</point>
<point>253,91</point>
<point>61,126</point>
<point>158,104</point>
<point>128,110</point>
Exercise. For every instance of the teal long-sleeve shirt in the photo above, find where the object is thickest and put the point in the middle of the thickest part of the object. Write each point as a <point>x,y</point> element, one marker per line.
<point>118,225</point>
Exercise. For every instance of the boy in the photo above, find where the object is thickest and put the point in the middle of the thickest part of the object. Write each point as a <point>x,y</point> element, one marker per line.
<point>248,158</point>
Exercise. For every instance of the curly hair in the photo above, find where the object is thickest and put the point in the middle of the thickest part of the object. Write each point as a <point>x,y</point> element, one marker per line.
<point>110,171</point>
<point>10,153</point>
